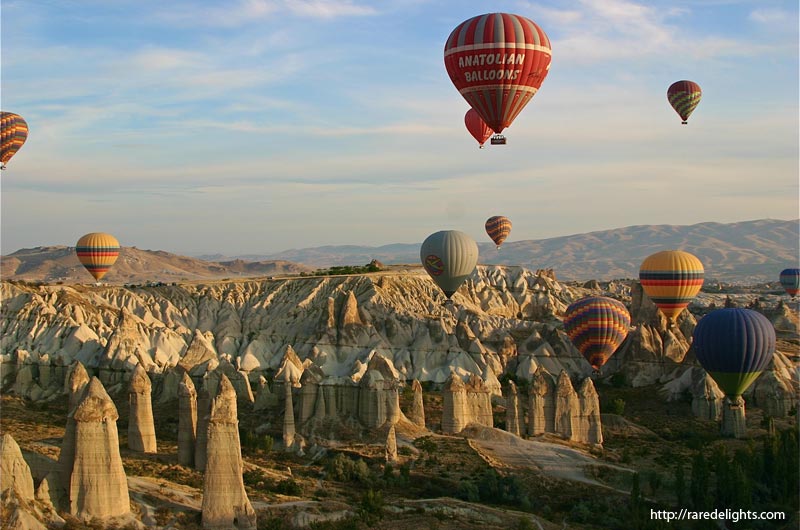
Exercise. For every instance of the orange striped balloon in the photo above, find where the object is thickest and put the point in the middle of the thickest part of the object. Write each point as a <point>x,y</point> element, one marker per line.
<point>97,252</point>
<point>671,278</point>
<point>498,228</point>
<point>13,133</point>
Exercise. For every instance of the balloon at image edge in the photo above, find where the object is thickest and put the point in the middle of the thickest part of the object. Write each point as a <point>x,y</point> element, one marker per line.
<point>498,228</point>
<point>13,133</point>
<point>671,279</point>
<point>497,61</point>
<point>734,345</point>
<point>684,96</point>
<point>597,326</point>
<point>790,281</point>
<point>477,127</point>
<point>449,257</point>
<point>97,252</point>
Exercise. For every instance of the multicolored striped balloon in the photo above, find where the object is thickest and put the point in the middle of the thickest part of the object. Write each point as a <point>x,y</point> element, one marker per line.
<point>684,97</point>
<point>477,127</point>
<point>790,280</point>
<point>497,61</point>
<point>734,346</point>
<point>498,228</point>
<point>597,326</point>
<point>13,133</point>
<point>97,252</point>
<point>671,278</point>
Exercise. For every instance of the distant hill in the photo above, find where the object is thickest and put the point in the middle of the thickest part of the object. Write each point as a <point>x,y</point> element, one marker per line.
<point>748,251</point>
<point>59,263</point>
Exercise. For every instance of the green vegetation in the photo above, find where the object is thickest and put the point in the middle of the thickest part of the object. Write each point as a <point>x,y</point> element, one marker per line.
<point>339,270</point>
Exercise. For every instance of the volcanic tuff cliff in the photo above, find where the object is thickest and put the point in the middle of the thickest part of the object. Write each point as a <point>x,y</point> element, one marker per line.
<point>506,320</point>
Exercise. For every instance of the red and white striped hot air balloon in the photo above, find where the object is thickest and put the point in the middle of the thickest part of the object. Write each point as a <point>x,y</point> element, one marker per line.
<point>497,61</point>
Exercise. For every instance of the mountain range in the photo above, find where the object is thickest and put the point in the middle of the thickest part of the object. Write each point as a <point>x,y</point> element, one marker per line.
<point>744,252</point>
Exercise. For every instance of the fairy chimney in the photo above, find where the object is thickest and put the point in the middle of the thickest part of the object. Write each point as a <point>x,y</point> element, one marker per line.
<point>141,429</point>
<point>225,502</point>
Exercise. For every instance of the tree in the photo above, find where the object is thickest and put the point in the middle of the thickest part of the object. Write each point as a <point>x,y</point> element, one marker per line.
<point>679,487</point>
<point>699,485</point>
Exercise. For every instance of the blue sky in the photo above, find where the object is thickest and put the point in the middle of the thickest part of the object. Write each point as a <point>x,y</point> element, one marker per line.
<point>255,126</point>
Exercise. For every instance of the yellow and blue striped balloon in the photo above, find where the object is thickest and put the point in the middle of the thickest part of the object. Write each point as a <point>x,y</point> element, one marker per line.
<point>597,326</point>
<point>97,252</point>
<point>671,278</point>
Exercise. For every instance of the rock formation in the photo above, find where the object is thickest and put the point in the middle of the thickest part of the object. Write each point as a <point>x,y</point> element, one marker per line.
<point>14,471</point>
<point>203,414</point>
<point>774,395</point>
<point>98,486</point>
<point>141,429</point>
<point>288,418</point>
<point>75,386</point>
<point>512,409</point>
<point>391,445</point>
<point>417,415</point>
<point>465,403</point>
<point>567,407</point>
<point>733,418</point>
<point>590,429</point>
<point>16,489</point>
<point>187,420</point>
<point>542,405</point>
<point>707,398</point>
<point>225,502</point>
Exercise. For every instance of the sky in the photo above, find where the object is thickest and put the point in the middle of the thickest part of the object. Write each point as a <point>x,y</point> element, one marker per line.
<point>256,126</point>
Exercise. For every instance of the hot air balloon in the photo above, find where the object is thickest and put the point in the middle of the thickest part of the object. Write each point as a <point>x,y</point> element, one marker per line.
<point>734,346</point>
<point>477,127</point>
<point>498,228</point>
<point>449,256</point>
<point>597,326</point>
<point>671,278</point>
<point>97,252</point>
<point>13,133</point>
<point>684,97</point>
<point>497,61</point>
<point>790,280</point>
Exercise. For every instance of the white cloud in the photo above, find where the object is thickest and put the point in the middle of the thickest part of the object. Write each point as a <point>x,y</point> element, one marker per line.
<point>328,8</point>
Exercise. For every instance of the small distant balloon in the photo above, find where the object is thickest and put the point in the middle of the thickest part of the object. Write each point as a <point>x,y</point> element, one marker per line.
<point>97,252</point>
<point>477,127</point>
<point>790,281</point>
<point>497,62</point>
<point>498,227</point>
<point>597,326</point>
<point>671,278</point>
<point>684,97</point>
<point>734,346</point>
<point>449,257</point>
<point>13,133</point>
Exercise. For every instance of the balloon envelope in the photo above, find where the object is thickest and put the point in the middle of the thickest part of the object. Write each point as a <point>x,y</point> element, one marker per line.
<point>477,127</point>
<point>97,252</point>
<point>13,133</point>
<point>498,228</point>
<point>790,280</point>
<point>734,346</point>
<point>597,326</point>
<point>671,278</point>
<point>684,97</point>
<point>449,257</point>
<point>497,61</point>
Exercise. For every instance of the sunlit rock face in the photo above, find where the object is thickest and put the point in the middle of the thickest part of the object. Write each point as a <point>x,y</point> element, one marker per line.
<point>141,428</point>
<point>506,321</point>
<point>98,485</point>
<point>225,502</point>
